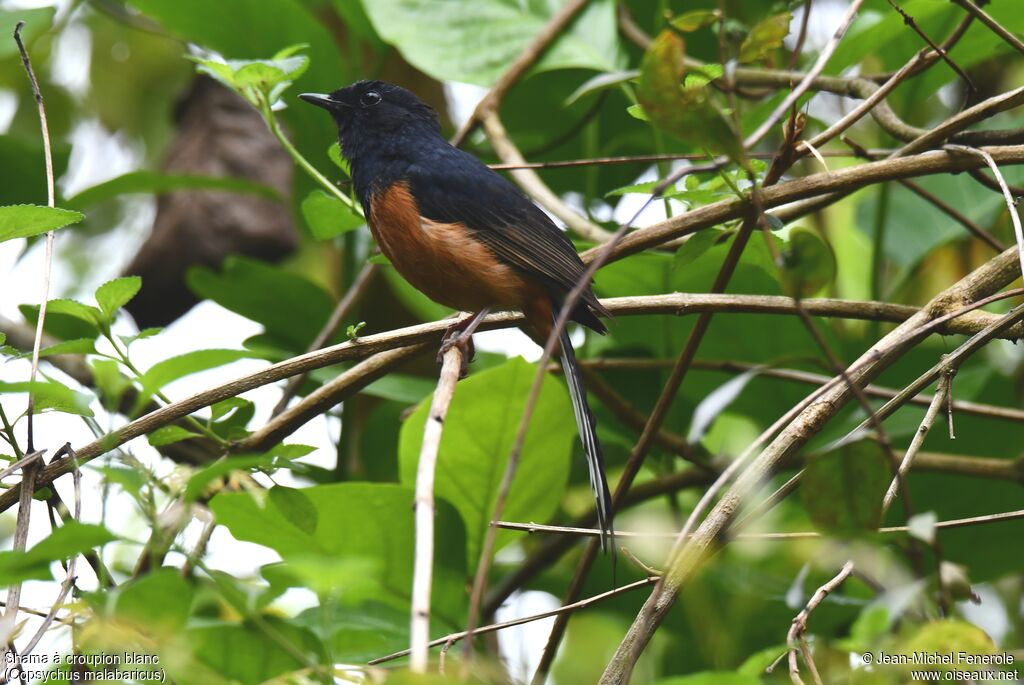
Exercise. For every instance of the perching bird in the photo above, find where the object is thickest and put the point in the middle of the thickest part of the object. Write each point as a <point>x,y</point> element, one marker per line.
<point>464,235</point>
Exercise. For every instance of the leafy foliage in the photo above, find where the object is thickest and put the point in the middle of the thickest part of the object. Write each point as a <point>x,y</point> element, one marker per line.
<point>239,555</point>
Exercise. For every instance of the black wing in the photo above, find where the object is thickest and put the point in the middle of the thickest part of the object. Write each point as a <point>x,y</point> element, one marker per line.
<point>458,188</point>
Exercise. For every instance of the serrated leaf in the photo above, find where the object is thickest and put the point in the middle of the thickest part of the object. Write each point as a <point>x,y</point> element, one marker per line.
<point>327,216</point>
<point>115,294</point>
<point>25,221</point>
<point>66,319</point>
<point>169,370</point>
<point>52,396</point>
<point>278,457</point>
<point>70,539</point>
<point>79,346</point>
<point>153,182</point>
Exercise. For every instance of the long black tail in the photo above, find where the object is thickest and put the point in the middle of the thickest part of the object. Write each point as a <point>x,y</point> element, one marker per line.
<point>591,446</point>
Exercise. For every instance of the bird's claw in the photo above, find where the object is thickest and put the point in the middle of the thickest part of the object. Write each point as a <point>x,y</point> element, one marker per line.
<point>456,338</point>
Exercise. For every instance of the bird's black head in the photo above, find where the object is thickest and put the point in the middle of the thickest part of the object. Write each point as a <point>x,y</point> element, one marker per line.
<point>369,111</point>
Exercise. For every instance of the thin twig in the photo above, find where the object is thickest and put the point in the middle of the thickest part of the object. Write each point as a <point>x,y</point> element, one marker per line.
<point>819,65</point>
<point>795,638</point>
<point>678,303</point>
<point>533,184</point>
<point>909,21</point>
<point>997,28</point>
<point>1011,204</point>
<point>995,274</point>
<point>30,472</point>
<point>423,506</point>
<point>359,287</point>
<point>494,627</point>
<point>771,537</point>
<point>522,63</point>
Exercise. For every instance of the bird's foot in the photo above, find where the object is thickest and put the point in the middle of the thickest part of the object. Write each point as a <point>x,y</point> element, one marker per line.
<point>457,338</point>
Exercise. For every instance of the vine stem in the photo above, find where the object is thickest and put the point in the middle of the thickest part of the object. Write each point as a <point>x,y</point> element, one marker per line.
<point>304,163</point>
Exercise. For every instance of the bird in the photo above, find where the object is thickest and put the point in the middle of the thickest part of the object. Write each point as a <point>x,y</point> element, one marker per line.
<point>465,236</point>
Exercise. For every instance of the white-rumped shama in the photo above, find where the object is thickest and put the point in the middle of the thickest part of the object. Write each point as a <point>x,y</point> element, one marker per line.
<point>462,234</point>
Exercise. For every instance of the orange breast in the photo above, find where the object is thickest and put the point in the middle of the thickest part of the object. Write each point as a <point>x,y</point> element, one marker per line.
<point>445,261</point>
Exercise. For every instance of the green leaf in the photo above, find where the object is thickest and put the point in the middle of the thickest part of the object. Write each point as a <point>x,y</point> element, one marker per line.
<point>358,633</point>
<point>694,21</point>
<point>153,182</point>
<point>948,636</point>
<point>369,521</point>
<point>696,245</point>
<point>716,402</point>
<point>766,36</point>
<point>247,653</point>
<point>400,388</point>
<point>327,216</point>
<point>162,373</point>
<point>685,111</point>
<point>711,678</point>
<point>79,346</point>
<point>157,602</point>
<point>475,42</point>
<point>25,221</point>
<point>478,435</point>
<point>52,396</point>
<point>295,507</point>
<point>260,81</point>
<point>843,489</point>
<point>808,263</point>
<point>238,29</point>
<point>66,319</point>
<point>600,83</point>
<point>168,435</point>
<point>21,156</point>
<point>69,540</point>
<point>291,308</point>
<point>272,460</point>
<point>141,335</point>
<point>110,382</point>
<point>115,294</point>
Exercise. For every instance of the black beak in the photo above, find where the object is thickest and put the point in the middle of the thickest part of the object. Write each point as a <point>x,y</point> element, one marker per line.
<point>324,101</point>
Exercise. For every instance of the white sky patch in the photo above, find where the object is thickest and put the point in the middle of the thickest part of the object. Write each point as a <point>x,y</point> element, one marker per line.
<point>8,108</point>
<point>521,647</point>
<point>462,99</point>
<point>72,57</point>
<point>98,155</point>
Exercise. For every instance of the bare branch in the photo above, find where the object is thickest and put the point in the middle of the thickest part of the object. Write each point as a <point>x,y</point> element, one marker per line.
<point>996,27</point>
<point>455,637</point>
<point>534,186</point>
<point>423,507</point>
<point>805,84</point>
<point>526,59</point>
<point>355,293</point>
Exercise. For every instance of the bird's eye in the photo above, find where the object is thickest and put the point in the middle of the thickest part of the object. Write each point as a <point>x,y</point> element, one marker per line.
<point>370,98</point>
